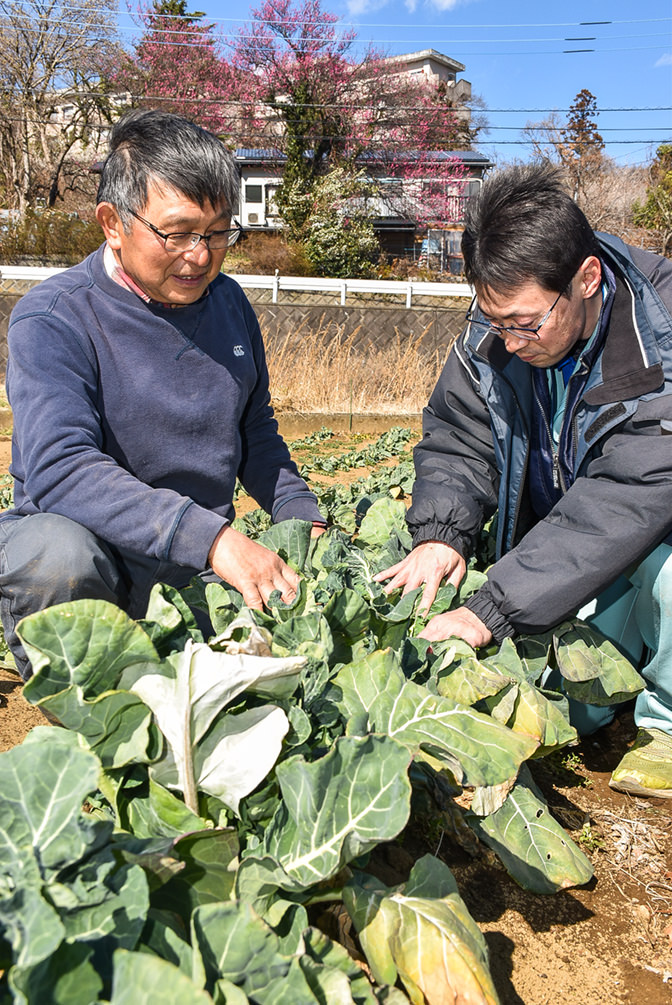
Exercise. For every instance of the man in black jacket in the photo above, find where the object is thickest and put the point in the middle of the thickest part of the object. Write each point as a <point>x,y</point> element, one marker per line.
<point>555,409</point>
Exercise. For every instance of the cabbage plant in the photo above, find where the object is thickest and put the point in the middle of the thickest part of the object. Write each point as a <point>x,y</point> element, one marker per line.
<point>211,801</point>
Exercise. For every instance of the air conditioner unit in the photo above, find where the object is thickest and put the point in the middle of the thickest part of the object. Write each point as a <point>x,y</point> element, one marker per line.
<point>253,218</point>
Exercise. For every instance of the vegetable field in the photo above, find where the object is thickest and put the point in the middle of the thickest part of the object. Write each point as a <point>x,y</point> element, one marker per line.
<point>312,804</point>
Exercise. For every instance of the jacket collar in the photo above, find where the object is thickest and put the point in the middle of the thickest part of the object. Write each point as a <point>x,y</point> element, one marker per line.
<point>631,364</point>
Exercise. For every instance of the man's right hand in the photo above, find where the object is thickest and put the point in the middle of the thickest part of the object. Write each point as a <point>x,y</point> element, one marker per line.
<point>430,563</point>
<point>252,569</point>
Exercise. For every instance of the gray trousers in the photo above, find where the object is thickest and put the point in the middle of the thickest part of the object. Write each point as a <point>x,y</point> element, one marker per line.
<point>48,559</point>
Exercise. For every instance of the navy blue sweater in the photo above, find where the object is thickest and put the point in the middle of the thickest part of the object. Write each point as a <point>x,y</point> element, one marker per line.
<point>134,419</point>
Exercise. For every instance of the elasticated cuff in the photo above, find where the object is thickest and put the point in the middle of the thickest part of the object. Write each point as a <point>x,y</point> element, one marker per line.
<point>443,533</point>
<point>482,605</point>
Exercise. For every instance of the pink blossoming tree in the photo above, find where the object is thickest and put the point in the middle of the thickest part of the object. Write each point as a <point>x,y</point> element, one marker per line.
<point>178,66</point>
<point>323,106</point>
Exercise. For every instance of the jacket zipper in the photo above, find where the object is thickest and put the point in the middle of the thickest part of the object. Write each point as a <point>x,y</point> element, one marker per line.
<point>574,422</point>
<point>519,494</point>
<point>558,480</point>
<point>505,539</point>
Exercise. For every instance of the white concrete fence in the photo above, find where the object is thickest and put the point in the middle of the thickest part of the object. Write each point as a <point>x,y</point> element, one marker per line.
<point>405,290</point>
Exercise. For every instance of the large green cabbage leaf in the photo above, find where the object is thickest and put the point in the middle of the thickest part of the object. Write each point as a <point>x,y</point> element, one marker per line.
<point>332,810</point>
<point>533,846</point>
<point>377,698</point>
<point>60,880</point>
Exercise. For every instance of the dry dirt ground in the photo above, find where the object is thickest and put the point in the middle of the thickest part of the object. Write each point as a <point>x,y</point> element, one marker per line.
<point>610,941</point>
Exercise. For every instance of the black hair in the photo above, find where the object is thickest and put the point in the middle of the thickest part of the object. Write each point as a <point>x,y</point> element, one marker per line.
<point>524,226</point>
<point>152,146</point>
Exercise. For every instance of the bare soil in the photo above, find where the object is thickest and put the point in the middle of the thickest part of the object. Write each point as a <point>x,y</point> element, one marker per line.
<point>607,942</point>
<point>610,941</point>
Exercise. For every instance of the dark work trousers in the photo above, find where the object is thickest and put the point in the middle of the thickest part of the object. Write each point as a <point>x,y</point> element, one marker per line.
<point>48,559</point>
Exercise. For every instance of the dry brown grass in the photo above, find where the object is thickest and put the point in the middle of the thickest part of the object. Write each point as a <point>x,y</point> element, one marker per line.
<point>263,254</point>
<point>325,370</point>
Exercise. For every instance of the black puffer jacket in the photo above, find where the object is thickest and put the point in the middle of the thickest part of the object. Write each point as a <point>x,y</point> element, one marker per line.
<point>473,457</point>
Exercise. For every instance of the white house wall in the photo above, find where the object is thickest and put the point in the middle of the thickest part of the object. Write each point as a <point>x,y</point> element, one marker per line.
<point>258,212</point>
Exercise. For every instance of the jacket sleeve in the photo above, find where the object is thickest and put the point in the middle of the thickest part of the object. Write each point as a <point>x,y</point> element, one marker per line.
<point>267,471</point>
<point>456,473</point>
<point>613,515</point>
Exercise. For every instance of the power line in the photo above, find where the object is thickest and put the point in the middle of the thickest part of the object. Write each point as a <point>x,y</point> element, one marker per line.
<point>373,143</point>
<point>333,24</point>
<point>535,52</point>
<point>239,36</point>
<point>517,53</point>
<point>204,40</point>
<point>599,111</point>
<point>353,105</point>
<point>381,24</point>
<point>207,41</point>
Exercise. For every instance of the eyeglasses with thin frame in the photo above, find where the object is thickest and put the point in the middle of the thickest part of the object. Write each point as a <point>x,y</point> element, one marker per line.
<point>178,243</point>
<point>518,331</point>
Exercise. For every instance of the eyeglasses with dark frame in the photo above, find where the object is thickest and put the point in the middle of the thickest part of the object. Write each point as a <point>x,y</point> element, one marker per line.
<point>178,243</point>
<point>531,334</point>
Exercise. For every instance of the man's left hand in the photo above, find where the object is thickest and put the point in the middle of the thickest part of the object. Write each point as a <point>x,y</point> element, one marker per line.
<point>461,624</point>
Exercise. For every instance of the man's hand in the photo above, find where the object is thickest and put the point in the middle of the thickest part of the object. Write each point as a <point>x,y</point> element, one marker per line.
<point>462,624</point>
<point>251,568</point>
<point>429,563</point>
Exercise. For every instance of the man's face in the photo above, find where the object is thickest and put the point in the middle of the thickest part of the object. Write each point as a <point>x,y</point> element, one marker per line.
<point>571,320</point>
<point>168,277</point>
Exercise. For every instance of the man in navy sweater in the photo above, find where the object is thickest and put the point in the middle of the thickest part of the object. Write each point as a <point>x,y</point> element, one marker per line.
<point>139,390</point>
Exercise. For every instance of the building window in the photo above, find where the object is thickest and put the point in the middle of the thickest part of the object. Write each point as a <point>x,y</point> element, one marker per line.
<point>391,187</point>
<point>254,193</point>
<point>436,188</point>
<point>271,206</point>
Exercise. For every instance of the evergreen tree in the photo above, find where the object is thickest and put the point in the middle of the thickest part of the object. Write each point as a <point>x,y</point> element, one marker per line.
<point>655,212</point>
